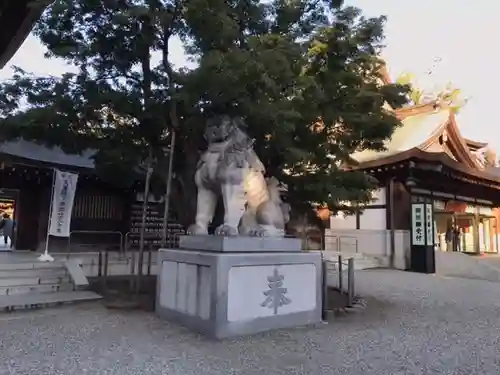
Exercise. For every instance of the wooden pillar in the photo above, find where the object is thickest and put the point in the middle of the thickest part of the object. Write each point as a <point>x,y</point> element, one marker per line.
<point>390,221</point>
<point>475,238</point>
<point>29,210</point>
<point>423,258</point>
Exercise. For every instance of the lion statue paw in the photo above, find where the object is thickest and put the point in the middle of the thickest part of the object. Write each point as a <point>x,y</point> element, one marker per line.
<point>258,232</point>
<point>197,230</point>
<point>226,231</point>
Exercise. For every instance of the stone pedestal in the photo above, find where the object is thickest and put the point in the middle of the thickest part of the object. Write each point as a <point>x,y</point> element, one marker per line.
<point>223,293</point>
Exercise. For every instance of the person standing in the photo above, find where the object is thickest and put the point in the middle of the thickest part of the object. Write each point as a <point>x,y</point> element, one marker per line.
<point>457,237</point>
<point>8,229</point>
<point>449,239</point>
<point>460,236</point>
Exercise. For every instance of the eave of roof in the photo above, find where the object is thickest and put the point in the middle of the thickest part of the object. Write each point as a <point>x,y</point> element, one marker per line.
<point>415,131</point>
<point>436,157</point>
<point>55,156</point>
<point>17,19</point>
<point>463,149</point>
<point>475,145</point>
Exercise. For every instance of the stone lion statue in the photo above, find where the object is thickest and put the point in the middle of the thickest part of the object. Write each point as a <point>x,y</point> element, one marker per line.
<point>230,168</point>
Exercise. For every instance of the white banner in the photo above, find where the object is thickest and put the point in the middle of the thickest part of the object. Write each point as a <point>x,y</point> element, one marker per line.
<point>429,225</point>
<point>417,223</point>
<point>63,195</point>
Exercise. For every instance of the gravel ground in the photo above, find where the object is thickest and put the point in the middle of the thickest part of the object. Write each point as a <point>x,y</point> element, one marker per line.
<point>413,324</point>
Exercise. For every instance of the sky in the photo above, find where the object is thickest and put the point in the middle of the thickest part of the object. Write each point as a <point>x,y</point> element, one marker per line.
<point>455,39</point>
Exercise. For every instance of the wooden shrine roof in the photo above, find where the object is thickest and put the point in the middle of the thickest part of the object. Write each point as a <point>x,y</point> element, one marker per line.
<point>475,145</point>
<point>429,137</point>
<point>17,18</point>
<point>491,174</point>
<point>429,132</point>
<point>35,153</point>
<point>414,132</point>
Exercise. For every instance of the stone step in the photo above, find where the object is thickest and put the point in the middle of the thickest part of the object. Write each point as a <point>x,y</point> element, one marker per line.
<point>21,281</point>
<point>33,300</point>
<point>113,255</point>
<point>34,272</point>
<point>35,288</point>
<point>29,265</point>
<point>345,255</point>
<point>94,261</point>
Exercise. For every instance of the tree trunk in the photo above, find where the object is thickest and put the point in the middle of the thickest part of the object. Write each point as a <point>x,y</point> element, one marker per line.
<point>168,189</point>
<point>147,31</point>
<point>172,112</point>
<point>140,262</point>
<point>186,187</point>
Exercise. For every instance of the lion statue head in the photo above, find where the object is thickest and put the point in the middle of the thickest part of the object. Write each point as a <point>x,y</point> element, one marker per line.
<point>222,128</point>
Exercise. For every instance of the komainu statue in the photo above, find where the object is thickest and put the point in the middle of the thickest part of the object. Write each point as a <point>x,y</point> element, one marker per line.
<point>230,168</point>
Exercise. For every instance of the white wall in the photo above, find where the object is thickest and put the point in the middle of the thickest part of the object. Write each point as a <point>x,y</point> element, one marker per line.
<point>379,197</point>
<point>373,219</point>
<point>340,221</point>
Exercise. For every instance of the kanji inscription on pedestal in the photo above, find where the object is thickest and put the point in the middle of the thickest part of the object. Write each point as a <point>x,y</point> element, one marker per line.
<point>275,296</point>
<point>271,290</point>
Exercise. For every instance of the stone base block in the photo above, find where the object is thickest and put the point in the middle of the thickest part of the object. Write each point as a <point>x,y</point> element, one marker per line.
<point>239,244</point>
<point>231,294</point>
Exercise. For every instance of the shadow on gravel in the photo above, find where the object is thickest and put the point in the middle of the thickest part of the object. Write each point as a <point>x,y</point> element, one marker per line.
<point>120,295</point>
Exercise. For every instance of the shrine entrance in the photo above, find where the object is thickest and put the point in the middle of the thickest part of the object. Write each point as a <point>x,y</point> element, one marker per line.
<point>475,225</point>
<point>8,206</point>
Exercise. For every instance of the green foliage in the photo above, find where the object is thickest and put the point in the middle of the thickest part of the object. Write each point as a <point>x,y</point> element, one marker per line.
<point>450,96</point>
<point>303,74</point>
<point>416,95</point>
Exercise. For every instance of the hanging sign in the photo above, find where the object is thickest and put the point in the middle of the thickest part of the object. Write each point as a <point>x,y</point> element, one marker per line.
<point>429,225</point>
<point>63,195</point>
<point>439,205</point>
<point>455,206</point>
<point>485,211</point>
<point>417,223</point>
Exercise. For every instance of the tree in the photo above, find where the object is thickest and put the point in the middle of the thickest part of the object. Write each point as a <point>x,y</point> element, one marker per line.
<point>118,102</point>
<point>304,76</point>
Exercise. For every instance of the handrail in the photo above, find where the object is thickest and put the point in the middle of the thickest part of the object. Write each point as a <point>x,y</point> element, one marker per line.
<point>146,236</point>
<point>153,235</point>
<point>308,239</point>
<point>336,242</point>
<point>340,273</point>
<point>135,266</point>
<point>96,232</point>
<point>341,262</point>
<point>102,266</point>
<point>348,237</point>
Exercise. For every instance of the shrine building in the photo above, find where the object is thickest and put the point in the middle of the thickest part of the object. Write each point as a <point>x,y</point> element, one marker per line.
<point>427,161</point>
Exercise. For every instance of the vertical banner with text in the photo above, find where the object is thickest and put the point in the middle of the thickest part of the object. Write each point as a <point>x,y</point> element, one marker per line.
<point>63,195</point>
<point>418,223</point>
<point>429,225</point>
